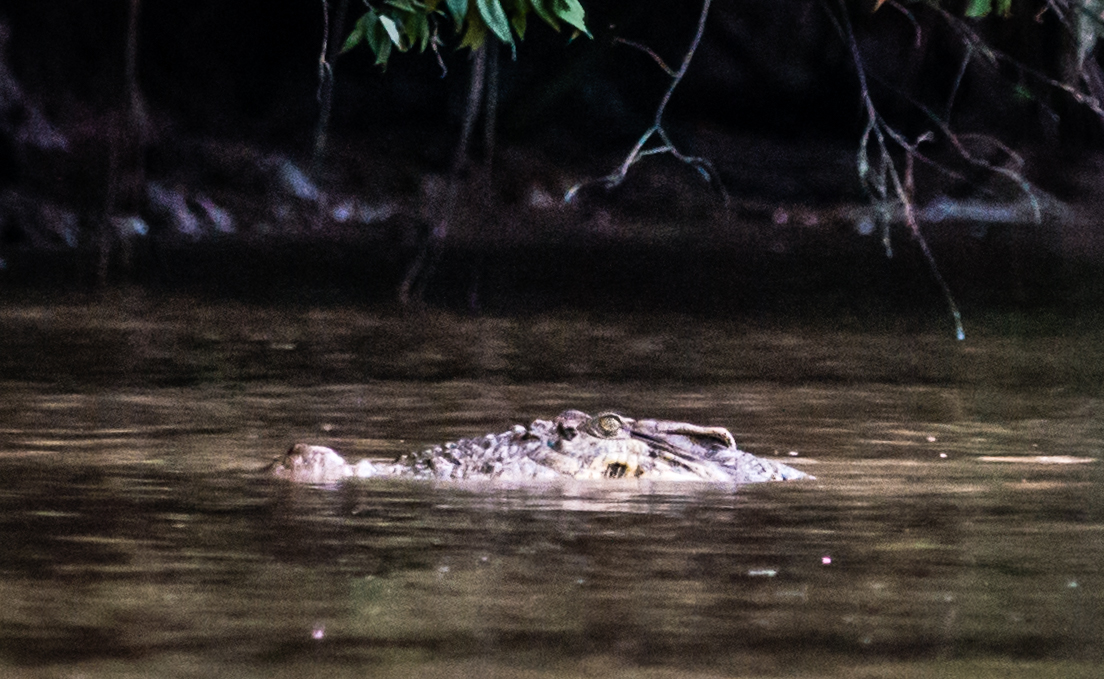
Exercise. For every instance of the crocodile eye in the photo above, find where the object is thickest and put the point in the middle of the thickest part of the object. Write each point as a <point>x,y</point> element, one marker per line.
<point>607,424</point>
<point>566,431</point>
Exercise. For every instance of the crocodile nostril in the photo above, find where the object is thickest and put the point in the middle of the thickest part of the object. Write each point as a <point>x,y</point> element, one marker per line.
<point>617,470</point>
<point>566,431</point>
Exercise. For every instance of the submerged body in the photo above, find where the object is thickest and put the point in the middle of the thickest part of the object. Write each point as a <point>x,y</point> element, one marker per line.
<point>574,445</point>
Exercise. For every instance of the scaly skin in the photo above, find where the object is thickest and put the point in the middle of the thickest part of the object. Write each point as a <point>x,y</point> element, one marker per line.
<point>574,445</point>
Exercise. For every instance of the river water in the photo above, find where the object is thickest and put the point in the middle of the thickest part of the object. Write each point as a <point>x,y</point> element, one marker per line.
<point>955,529</point>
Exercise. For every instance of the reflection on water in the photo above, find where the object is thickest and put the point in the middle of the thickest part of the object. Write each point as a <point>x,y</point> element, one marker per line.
<point>955,527</point>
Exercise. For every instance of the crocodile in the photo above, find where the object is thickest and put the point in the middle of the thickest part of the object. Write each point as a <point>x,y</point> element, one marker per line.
<point>573,445</point>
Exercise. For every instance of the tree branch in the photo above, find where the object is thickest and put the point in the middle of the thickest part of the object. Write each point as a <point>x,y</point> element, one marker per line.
<point>882,177</point>
<point>638,151</point>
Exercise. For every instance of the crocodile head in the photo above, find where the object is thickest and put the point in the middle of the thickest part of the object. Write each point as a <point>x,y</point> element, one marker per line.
<point>610,445</point>
<point>572,445</point>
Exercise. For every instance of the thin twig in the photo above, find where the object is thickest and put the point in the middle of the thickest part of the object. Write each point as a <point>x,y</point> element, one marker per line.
<point>324,71</point>
<point>918,40</point>
<point>417,276</point>
<point>995,56</point>
<point>650,52</point>
<point>887,168</point>
<point>638,151</point>
<point>326,56</point>
<point>1013,175</point>
<point>958,80</point>
<point>434,44</point>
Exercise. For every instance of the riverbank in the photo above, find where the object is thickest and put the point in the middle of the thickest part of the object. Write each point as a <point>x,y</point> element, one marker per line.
<point>229,220</point>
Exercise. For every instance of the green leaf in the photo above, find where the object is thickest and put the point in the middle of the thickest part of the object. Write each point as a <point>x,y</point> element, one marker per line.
<point>357,35</point>
<point>518,22</point>
<point>1004,8</point>
<point>518,11</point>
<point>458,9</point>
<point>495,18</point>
<point>376,36</point>
<point>416,28</point>
<point>475,34</point>
<point>541,8</point>
<point>392,29</point>
<point>975,9</point>
<point>572,13</point>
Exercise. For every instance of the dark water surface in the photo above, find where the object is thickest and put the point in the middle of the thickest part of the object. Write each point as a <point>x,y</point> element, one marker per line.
<point>956,528</point>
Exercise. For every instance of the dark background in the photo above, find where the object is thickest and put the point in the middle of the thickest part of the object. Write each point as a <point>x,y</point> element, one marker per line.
<point>771,99</point>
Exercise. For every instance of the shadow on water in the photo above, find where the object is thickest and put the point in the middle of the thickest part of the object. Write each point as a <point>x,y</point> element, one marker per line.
<point>955,528</point>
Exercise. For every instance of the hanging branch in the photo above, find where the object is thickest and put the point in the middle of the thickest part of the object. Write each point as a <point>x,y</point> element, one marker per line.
<point>326,56</point>
<point>957,142</point>
<point>881,176</point>
<point>127,138</point>
<point>417,276</point>
<point>1088,71</point>
<point>638,151</point>
<point>1012,174</point>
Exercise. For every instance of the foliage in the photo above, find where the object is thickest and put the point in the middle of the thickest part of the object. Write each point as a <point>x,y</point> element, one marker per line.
<point>974,9</point>
<point>407,24</point>
<point>982,8</point>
